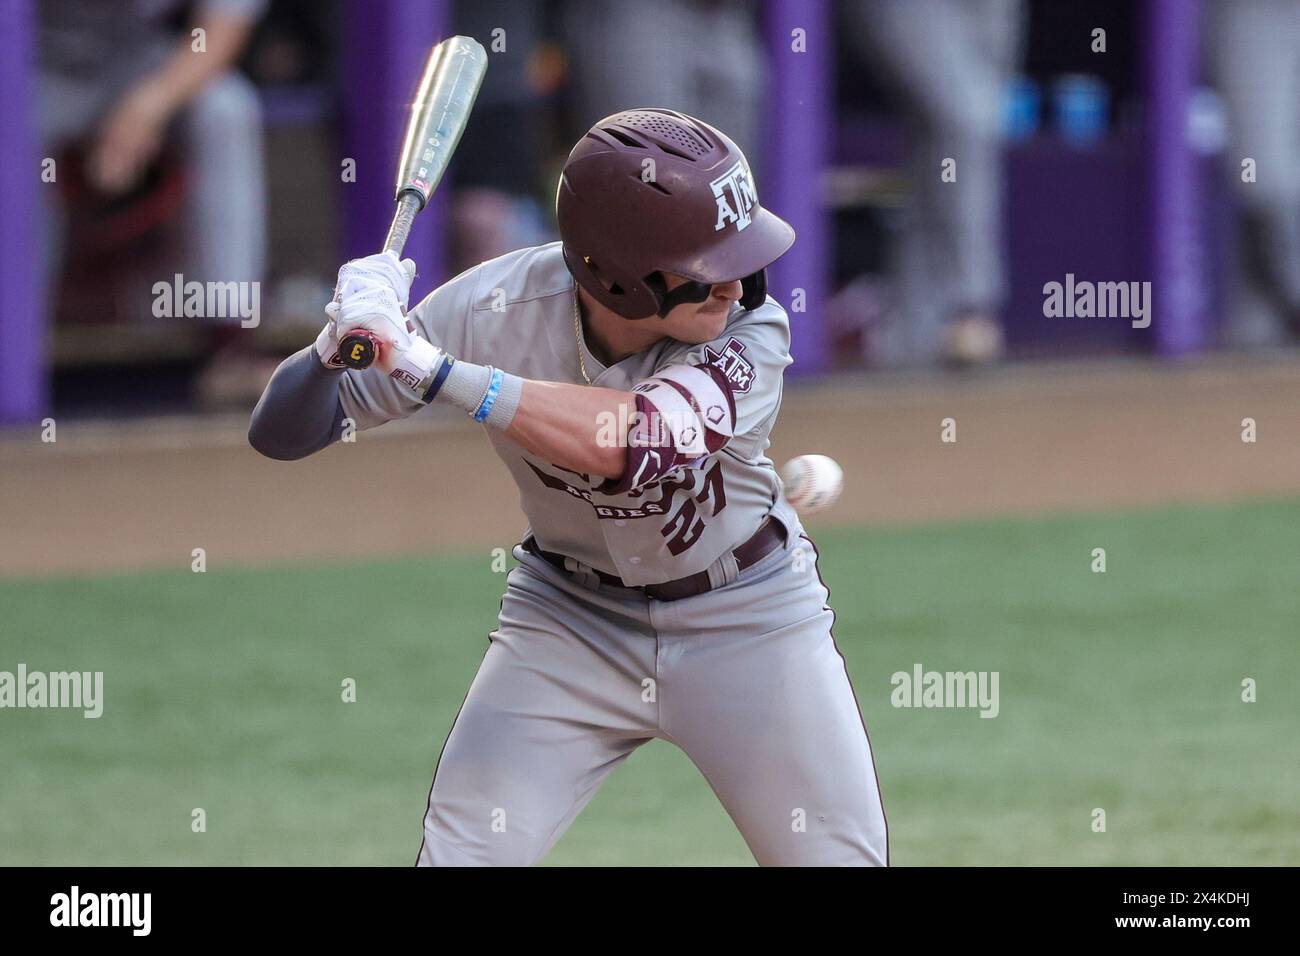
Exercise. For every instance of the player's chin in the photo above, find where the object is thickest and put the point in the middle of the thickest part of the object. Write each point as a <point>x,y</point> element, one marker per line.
<point>705,327</point>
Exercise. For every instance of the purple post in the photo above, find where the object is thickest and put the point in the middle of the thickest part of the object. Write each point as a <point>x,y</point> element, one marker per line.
<point>1179,318</point>
<point>387,43</point>
<point>797,137</point>
<point>24,387</point>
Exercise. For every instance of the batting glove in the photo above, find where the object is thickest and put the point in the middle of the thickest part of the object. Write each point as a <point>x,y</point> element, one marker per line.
<point>372,295</point>
<point>369,274</point>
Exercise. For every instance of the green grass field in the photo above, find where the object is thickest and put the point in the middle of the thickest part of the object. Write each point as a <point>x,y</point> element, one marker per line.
<point>1119,690</point>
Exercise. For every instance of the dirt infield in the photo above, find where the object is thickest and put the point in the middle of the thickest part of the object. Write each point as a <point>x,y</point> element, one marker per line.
<point>1087,436</point>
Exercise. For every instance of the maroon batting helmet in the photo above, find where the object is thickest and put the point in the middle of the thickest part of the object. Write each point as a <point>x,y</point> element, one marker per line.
<point>649,191</point>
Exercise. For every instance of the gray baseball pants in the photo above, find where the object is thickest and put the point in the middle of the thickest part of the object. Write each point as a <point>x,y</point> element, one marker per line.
<point>746,679</point>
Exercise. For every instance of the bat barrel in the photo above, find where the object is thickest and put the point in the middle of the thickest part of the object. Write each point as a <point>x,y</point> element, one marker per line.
<point>450,83</point>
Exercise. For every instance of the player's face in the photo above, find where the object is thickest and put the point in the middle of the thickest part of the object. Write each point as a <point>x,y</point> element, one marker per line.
<point>696,322</point>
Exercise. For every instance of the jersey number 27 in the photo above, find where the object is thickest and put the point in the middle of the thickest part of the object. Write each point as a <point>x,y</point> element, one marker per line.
<point>686,525</point>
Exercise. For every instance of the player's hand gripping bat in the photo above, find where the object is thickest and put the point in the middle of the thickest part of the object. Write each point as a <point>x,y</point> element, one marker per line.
<point>447,91</point>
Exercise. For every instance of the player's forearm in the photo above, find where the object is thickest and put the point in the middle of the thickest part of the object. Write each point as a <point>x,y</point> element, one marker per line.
<point>185,73</point>
<point>568,425</point>
<point>299,413</point>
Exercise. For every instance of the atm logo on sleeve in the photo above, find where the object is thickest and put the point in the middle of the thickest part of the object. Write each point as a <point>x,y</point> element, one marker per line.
<point>731,362</point>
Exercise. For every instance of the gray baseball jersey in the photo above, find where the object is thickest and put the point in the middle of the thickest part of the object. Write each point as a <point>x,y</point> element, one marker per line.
<point>516,313</point>
<point>744,677</point>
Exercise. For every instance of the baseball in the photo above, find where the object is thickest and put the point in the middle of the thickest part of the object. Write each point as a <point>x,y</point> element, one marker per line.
<point>812,482</point>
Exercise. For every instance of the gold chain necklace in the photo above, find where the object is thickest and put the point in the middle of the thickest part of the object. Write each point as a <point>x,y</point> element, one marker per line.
<point>577,336</point>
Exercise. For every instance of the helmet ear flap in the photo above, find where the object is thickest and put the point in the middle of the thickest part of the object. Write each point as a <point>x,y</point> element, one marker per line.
<point>753,290</point>
<point>636,301</point>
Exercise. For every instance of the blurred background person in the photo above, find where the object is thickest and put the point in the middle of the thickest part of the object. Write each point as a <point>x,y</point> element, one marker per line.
<point>1253,51</point>
<point>163,140</point>
<point>122,82</point>
<point>701,57</point>
<point>950,61</point>
<point>499,163</point>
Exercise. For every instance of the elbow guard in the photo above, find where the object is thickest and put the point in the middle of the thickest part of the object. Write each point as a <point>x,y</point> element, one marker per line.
<point>683,413</point>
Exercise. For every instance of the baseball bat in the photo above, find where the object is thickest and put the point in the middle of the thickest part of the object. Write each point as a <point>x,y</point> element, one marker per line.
<point>450,83</point>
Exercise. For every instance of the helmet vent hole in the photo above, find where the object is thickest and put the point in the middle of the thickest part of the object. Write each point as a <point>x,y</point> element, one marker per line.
<point>675,152</point>
<point>669,134</point>
<point>623,137</point>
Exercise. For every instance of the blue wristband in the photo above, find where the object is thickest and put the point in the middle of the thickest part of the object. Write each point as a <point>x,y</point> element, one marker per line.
<point>490,397</point>
<point>432,390</point>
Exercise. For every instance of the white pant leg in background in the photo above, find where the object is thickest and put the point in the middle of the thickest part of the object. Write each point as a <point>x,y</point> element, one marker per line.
<point>703,59</point>
<point>951,61</point>
<point>224,217</point>
<point>1253,50</point>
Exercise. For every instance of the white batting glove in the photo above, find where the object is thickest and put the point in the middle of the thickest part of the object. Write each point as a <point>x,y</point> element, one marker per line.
<point>383,269</point>
<point>327,346</point>
<point>371,273</point>
<point>372,295</point>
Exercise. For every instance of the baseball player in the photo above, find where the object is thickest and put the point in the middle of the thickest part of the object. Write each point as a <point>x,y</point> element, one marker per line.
<point>628,376</point>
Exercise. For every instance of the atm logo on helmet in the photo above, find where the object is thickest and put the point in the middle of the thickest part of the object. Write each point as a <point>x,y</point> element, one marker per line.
<point>736,196</point>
